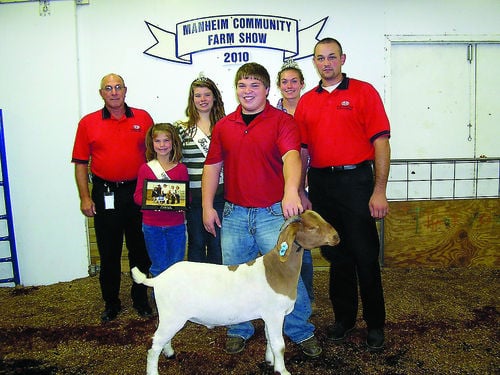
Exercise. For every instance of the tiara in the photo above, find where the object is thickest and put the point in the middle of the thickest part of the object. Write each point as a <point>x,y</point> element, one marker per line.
<point>289,64</point>
<point>201,77</point>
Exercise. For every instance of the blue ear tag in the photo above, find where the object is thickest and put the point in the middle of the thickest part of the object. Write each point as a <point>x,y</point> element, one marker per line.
<point>283,248</point>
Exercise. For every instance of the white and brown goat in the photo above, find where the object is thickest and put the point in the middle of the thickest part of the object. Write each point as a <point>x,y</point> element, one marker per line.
<point>218,295</point>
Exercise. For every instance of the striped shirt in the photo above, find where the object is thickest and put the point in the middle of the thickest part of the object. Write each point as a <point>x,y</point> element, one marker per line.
<point>194,160</point>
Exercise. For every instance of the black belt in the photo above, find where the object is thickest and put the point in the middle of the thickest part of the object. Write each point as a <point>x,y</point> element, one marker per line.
<point>347,167</point>
<point>99,180</point>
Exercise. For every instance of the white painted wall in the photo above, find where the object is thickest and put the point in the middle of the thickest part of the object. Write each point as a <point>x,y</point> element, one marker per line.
<point>39,98</point>
<point>51,67</point>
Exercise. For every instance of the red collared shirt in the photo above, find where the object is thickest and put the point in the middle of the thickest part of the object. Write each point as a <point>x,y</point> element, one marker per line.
<point>115,148</point>
<point>339,128</point>
<point>252,155</point>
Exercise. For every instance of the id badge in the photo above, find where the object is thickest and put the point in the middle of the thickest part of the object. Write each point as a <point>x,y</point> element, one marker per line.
<point>109,200</point>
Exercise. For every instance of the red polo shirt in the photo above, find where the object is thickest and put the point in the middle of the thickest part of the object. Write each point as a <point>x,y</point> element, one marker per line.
<point>339,128</point>
<point>253,168</point>
<point>115,148</point>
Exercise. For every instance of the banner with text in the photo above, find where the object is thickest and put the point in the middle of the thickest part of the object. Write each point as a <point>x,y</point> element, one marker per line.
<point>230,31</point>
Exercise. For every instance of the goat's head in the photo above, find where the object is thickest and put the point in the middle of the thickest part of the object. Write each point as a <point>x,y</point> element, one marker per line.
<point>308,230</point>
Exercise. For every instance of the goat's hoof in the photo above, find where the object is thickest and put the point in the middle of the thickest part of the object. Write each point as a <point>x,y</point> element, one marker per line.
<point>169,356</point>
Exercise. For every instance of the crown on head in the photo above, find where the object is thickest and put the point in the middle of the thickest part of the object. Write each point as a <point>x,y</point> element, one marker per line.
<point>201,78</point>
<point>289,64</point>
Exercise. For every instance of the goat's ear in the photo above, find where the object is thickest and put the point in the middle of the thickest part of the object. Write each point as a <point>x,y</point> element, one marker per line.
<point>285,241</point>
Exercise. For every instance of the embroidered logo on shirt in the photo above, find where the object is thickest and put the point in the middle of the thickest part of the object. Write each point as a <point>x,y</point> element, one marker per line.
<point>344,104</point>
<point>136,128</point>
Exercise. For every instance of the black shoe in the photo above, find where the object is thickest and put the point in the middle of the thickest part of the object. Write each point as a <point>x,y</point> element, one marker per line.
<point>338,332</point>
<point>144,311</point>
<point>375,339</point>
<point>110,313</point>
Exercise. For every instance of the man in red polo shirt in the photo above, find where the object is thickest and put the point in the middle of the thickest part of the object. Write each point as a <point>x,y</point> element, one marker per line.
<point>344,133</point>
<point>112,140</point>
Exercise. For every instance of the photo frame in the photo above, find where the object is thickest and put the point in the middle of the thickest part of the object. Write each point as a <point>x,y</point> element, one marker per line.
<point>165,195</point>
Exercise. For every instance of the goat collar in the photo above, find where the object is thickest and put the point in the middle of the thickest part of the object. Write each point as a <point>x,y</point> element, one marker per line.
<point>299,245</point>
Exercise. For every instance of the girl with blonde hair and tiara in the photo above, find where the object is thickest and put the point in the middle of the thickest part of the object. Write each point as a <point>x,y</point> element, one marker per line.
<point>204,108</point>
<point>290,82</point>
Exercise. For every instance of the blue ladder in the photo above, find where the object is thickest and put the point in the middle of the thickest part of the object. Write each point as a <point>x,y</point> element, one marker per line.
<point>7,216</point>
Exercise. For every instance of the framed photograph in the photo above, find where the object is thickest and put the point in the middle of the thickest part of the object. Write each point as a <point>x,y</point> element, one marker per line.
<point>165,195</point>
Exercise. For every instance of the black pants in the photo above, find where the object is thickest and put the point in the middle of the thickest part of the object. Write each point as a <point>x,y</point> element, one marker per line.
<point>110,227</point>
<point>342,197</point>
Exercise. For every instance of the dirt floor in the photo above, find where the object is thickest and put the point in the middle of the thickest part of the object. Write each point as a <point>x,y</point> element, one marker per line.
<point>439,321</point>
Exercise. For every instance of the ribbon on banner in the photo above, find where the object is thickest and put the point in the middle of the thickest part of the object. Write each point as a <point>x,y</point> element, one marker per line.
<point>230,31</point>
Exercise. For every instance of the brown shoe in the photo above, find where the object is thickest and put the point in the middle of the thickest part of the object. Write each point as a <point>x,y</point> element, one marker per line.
<point>310,347</point>
<point>314,309</point>
<point>235,344</point>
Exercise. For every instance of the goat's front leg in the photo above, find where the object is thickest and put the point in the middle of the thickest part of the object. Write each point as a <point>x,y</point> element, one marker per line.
<point>275,349</point>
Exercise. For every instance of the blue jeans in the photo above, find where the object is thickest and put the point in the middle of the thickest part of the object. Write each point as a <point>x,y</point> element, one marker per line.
<point>245,233</point>
<point>165,245</point>
<point>306,272</point>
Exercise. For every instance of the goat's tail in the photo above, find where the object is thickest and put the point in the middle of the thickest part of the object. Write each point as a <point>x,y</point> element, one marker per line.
<point>141,278</point>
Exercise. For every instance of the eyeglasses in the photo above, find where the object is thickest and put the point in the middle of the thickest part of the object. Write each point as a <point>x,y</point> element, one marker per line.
<point>110,88</point>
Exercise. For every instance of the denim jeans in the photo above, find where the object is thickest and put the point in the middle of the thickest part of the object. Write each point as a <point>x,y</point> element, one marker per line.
<point>306,272</point>
<point>165,245</point>
<point>245,233</point>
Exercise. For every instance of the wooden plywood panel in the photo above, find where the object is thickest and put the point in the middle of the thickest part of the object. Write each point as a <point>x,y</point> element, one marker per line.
<point>318,261</point>
<point>455,233</point>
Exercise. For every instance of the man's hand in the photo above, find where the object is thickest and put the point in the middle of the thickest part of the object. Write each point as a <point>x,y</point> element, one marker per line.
<point>306,203</point>
<point>291,205</point>
<point>210,220</point>
<point>87,206</point>
<point>379,207</point>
